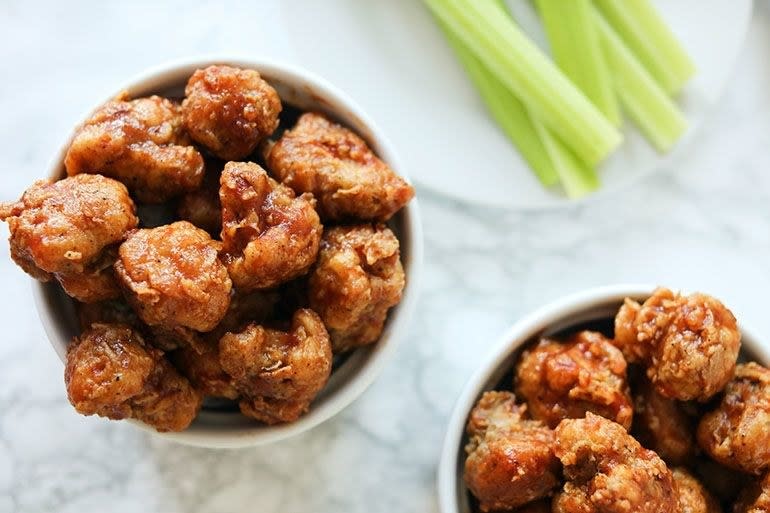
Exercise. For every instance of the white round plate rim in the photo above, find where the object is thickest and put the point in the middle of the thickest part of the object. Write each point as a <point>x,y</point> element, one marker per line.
<point>400,43</point>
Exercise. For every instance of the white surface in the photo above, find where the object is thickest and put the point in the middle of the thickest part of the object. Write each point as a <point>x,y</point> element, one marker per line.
<point>306,91</point>
<point>563,314</point>
<point>703,225</point>
<point>392,48</point>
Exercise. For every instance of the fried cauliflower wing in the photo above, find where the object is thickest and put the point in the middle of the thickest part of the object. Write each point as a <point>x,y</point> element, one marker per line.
<point>737,432</point>
<point>173,277</point>
<point>269,236</point>
<point>755,498</point>
<point>337,166</point>
<point>141,143</point>
<point>230,110</point>
<point>689,343</point>
<point>111,372</point>
<point>510,459</point>
<point>607,471</point>
<point>661,424</point>
<point>63,227</point>
<point>279,373</point>
<point>357,279</point>
<point>693,496</point>
<point>565,380</point>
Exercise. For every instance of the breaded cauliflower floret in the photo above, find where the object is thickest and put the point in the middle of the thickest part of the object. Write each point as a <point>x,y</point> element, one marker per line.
<point>173,277</point>
<point>565,380</point>
<point>337,166</point>
<point>113,373</point>
<point>510,459</point>
<point>67,229</point>
<point>607,471</point>
<point>357,279</point>
<point>278,373</point>
<point>737,432</point>
<point>230,110</point>
<point>689,344</point>
<point>141,143</point>
<point>269,236</point>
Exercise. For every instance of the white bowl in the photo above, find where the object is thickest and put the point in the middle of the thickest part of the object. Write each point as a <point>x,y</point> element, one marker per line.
<point>306,91</point>
<point>594,304</point>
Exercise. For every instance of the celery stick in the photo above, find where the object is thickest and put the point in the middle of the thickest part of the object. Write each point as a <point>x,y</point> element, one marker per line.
<point>546,155</point>
<point>575,46</point>
<point>577,178</point>
<point>644,99</point>
<point>507,111</point>
<point>485,28</point>
<point>641,27</point>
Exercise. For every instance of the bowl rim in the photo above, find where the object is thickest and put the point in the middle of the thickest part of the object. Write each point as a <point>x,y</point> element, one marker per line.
<point>412,238</point>
<point>510,341</point>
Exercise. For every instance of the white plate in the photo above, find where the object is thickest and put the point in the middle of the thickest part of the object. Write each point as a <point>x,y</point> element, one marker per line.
<point>391,58</point>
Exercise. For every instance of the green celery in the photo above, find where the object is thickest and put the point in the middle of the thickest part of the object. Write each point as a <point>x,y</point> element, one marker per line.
<point>548,157</point>
<point>641,27</point>
<point>644,99</point>
<point>576,49</point>
<point>577,178</point>
<point>507,111</point>
<point>492,36</point>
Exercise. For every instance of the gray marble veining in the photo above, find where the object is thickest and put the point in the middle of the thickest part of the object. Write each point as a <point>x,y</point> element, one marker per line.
<point>705,225</point>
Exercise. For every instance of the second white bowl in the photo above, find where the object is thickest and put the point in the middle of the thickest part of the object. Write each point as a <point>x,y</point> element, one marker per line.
<point>592,305</point>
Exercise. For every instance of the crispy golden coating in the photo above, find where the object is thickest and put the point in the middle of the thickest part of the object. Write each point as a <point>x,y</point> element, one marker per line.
<point>337,166</point>
<point>693,496</point>
<point>565,380</point>
<point>269,236</point>
<point>278,372</point>
<point>204,371</point>
<point>608,471</point>
<point>755,498</point>
<point>230,110</point>
<point>63,227</point>
<point>689,343</point>
<point>357,279</point>
<point>201,207</point>
<point>173,277</point>
<point>141,143</point>
<point>113,373</point>
<point>661,424</point>
<point>737,432</point>
<point>510,460</point>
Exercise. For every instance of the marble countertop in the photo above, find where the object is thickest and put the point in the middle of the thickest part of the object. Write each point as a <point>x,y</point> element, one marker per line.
<point>703,226</point>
